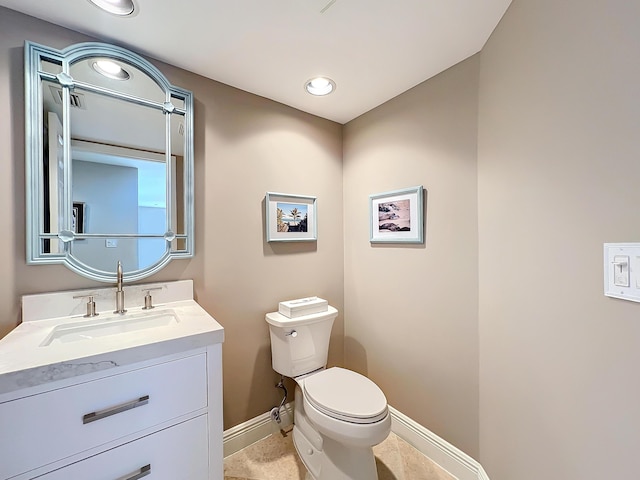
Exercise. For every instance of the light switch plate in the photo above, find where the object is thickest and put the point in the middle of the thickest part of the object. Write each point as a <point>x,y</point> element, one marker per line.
<point>622,271</point>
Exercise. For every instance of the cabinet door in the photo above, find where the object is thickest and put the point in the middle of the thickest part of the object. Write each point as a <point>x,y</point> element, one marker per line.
<point>176,453</point>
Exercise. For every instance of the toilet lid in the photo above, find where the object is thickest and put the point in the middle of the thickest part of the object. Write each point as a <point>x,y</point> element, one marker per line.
<point>346,395</point>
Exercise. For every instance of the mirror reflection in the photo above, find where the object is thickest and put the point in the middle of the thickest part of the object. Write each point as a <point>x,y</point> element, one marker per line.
<point>111,175</point>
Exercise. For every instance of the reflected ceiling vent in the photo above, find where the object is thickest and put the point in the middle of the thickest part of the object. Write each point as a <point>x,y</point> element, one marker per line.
<point>76,100</point>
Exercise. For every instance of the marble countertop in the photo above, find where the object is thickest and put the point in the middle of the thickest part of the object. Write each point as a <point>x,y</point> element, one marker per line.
<point>26,362</point>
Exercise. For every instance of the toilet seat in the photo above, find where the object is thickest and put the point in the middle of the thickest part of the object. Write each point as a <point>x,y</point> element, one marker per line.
<point>345,395</point>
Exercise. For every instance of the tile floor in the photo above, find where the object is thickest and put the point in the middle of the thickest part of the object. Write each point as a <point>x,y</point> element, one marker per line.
<point>275,458</point>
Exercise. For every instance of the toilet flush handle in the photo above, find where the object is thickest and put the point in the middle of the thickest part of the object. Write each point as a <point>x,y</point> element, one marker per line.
<point>292,333</point>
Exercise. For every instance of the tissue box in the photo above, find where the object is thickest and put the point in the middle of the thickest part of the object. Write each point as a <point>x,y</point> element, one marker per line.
<point>303,306</point>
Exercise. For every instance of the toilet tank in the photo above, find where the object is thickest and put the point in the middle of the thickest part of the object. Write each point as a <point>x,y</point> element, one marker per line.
<point>300,345</point>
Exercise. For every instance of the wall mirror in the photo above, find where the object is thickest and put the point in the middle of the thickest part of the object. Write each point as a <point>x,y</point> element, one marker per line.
<point>109,162</point>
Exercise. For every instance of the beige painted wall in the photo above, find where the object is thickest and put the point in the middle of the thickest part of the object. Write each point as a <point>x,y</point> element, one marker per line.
<point>559,171</point>
<point>245,145</point>
<point>411,311</point>
<point>557,163</point>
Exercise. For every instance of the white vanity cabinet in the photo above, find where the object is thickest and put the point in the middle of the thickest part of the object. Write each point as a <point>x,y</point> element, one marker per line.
<point>126,406</point>
<point>160,418</point>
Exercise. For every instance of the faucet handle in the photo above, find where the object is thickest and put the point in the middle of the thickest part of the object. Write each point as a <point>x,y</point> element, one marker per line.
<point>91,306</point>
<point>148,301</point>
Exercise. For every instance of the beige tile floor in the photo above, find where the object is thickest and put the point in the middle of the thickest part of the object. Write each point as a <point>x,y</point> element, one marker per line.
<point>275,458</point>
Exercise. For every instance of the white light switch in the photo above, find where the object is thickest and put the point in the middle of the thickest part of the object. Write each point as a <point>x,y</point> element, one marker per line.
<point>111,243</point>
<point>621,271</point>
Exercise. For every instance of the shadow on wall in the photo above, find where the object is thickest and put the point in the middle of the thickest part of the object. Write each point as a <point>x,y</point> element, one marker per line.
<point>6,329</point>
<point>263,379</point>
<point>269,385</point>
<point>357,358</point>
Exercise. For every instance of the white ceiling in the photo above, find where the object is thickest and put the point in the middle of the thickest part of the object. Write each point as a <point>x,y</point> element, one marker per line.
<point>373,49</point>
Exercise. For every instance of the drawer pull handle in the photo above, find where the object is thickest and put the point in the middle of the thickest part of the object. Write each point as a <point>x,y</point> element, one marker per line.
<point>143,472</point>
<point>93,416</point>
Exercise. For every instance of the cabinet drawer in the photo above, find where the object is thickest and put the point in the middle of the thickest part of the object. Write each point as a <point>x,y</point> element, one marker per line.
<point>41,429</point>
<point>176,453</point>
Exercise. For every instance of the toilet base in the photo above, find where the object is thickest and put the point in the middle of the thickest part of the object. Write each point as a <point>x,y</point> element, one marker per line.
<point>334,461</point>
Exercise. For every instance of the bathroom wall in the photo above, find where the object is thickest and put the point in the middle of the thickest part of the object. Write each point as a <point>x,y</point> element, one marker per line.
<point>529,155</point>
<point>245,145</point>
<point>411,311</point>
<point>558,176</point>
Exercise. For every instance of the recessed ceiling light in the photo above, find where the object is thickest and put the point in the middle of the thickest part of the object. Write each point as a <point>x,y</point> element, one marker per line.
<point>116,7</point>
<point>320,86</point>
<point>110,69</point>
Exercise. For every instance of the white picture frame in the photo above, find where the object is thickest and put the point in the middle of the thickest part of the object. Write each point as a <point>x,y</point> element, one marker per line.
<point>397,216</point>
<point>291,218</point>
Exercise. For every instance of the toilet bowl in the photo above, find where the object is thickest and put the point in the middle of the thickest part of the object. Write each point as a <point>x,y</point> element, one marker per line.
<point>346,406</point>
<point>339,414</point>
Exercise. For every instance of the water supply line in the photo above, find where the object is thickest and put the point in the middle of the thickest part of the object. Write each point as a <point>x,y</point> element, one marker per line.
<point>275,411</point>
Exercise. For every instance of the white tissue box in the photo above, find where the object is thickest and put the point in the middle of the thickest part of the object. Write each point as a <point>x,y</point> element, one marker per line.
<point>303,306</point>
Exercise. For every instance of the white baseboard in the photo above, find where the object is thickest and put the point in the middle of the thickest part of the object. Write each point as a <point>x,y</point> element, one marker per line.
<point>241,436</point>
<point>454,461</point>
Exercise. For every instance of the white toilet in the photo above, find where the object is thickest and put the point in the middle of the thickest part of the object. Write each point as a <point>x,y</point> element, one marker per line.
<point>339,414</point>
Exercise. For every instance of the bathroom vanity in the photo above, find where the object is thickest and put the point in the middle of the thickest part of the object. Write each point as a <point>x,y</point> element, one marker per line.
<point>87,392</point>
<point>113,396</point>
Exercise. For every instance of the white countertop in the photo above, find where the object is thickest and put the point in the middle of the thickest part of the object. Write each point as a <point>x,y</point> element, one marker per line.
<point>26,362</point>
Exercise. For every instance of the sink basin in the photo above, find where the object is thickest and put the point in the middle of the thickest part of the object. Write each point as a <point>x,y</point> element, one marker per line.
<point>103,327</point>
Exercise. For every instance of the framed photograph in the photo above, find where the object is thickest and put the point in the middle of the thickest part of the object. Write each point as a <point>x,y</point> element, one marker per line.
<point>397,217</point>
<point>78,217</point>
<point>291,218</point>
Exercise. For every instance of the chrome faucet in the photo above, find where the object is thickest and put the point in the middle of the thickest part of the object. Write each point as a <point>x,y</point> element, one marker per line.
<point>119,291</point>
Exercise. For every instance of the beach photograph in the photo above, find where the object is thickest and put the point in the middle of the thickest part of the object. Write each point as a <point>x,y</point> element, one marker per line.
<point>394,216</point>
<point>291,217</point>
